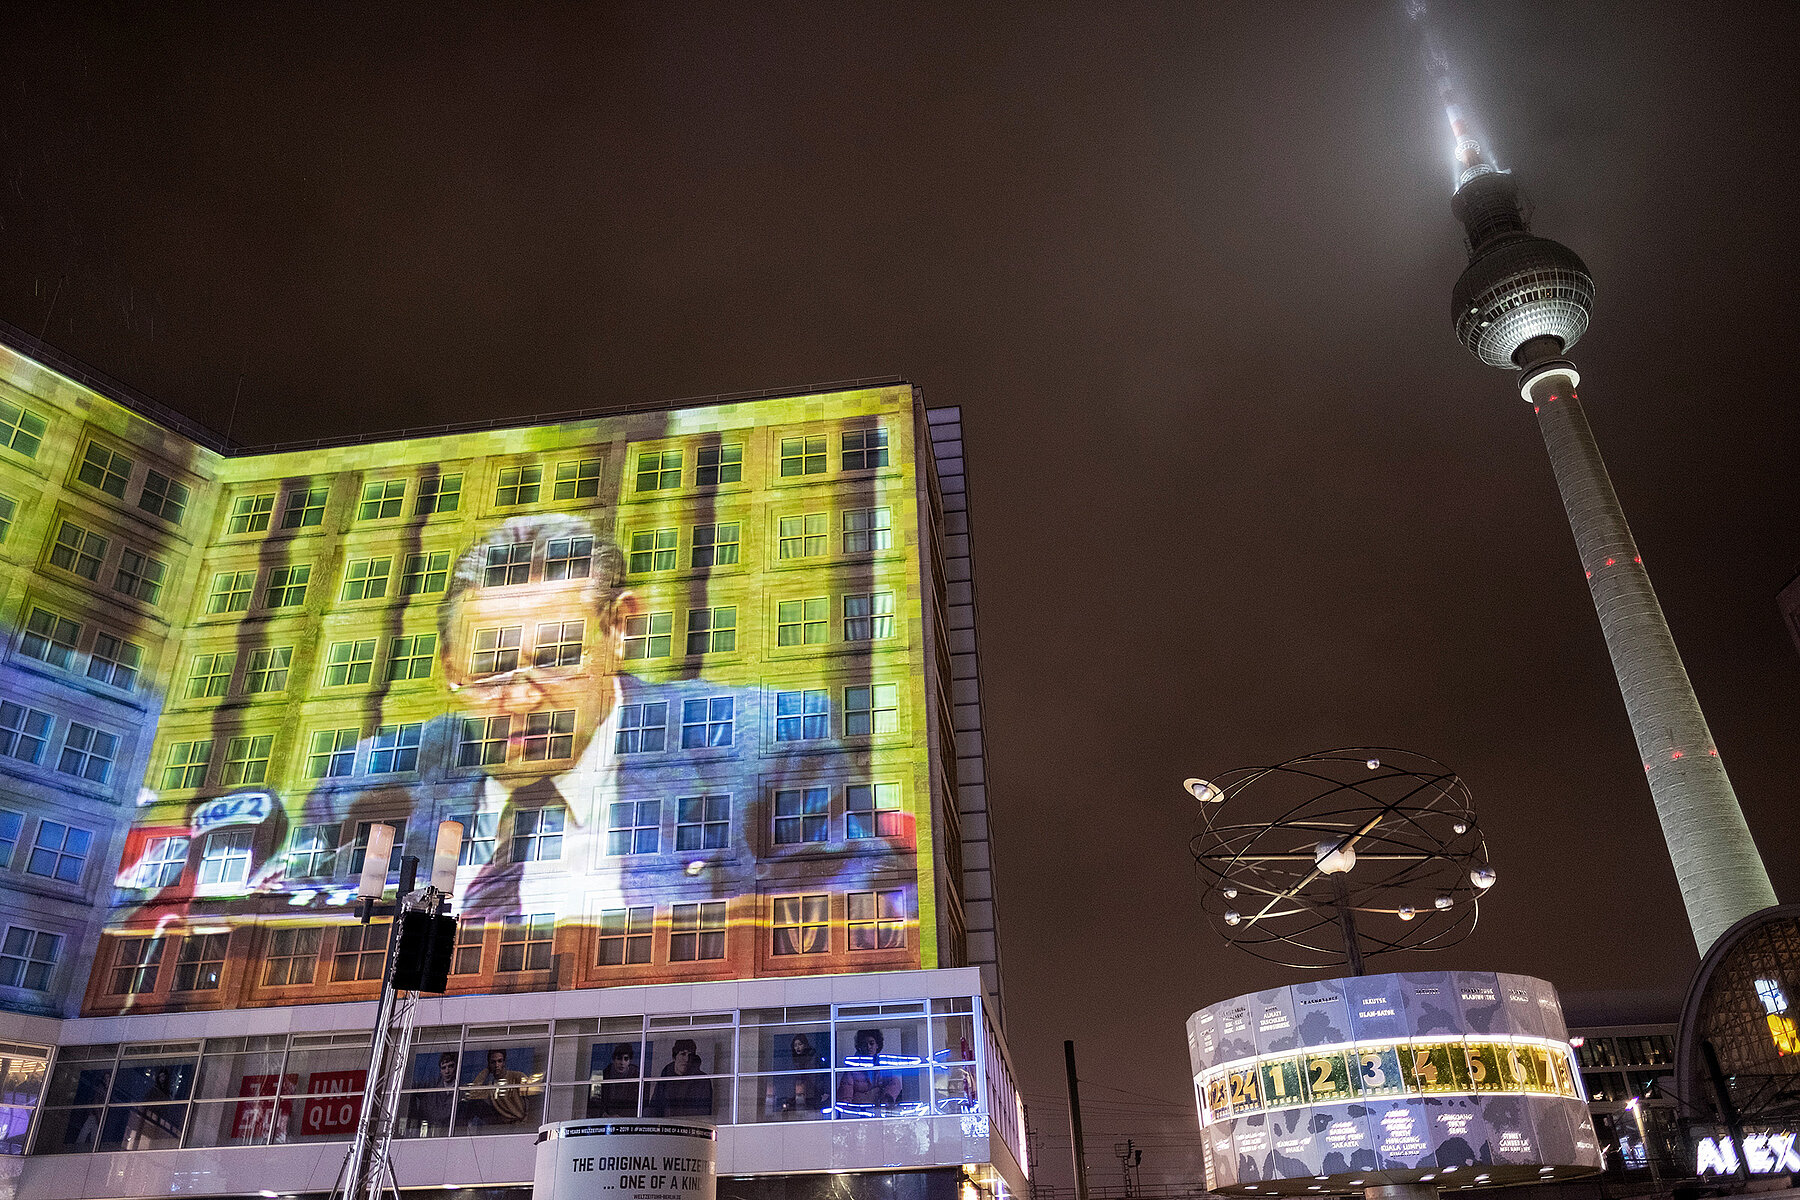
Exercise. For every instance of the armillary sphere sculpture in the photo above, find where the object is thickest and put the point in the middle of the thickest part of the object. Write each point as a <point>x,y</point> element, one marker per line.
<point>1331,857</point>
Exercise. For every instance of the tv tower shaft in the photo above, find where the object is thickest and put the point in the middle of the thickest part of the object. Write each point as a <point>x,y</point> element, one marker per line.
<point>1721,875</point>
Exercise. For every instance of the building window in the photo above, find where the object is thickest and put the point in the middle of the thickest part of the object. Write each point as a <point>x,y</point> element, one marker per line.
<point>247,759</point>
<point>200,962</point>
<point>305,508</point>
<point>802,536</point>
<point>23,732</point>
<point>78,551</point>
<point>706,721</point>
<point>163,497</point>
<point>366,579</point>
<point>800,716</point>
<point>507,565</point>
<point>697,931</point>
<point>331,754</point>
<point>350,662</point>
<point>425,573</point>
<point>225,859</point>
<point>568,558</point>
<point>88,753</point>
<point>868,616</point>
<point>230,592</point>
<point>519,485</point>
<point>649,635</point>
<point>652,550</point>
<point>802,815</point>
<point>873,708</point>
<point>802,924</point>
<point>359,846</point>
<point>135,961</point>
<point>716,545</point>
<point>411,657</point>
<point>381,499</point>
<point>361,952</point>
<point>720,464</point>
<point>525,942</point>
<point>658,471</point>
<point>8,509</point>
<point>577,480</point>
<point>865,449</point>
<point>60,852</point>
<point>712,630</point>
<point>642,728</point>
<point>803,456</point>
<point>867,529</point>
<point>558,644</point>
<point>10,825</point>
<point>115,662</point>
<point>633,827</point>
<point>440,495</point>
<point>496,650</point>
<point>49,638</point>
<point>483,742</point>
<point>873,810</point>
<point>287,587</point>
<point>469,936</point>
<point>21,430</point>
<point>293,956</point>
<point>625,935</point>
<point>27,957</point>
<point>549,736</point>
<point>250,514</point>
<point>312,850</point>
<point>803,622</point>
<point>480,831</point>
<point>140,576</point>
<point>395,748</point>
<point>104,469</point>
<point>538,834</point>
<point>163,861</point>
<point>703,822</point>
<point>186,763</point>
<point>877,920</point>
<point>268,670</point>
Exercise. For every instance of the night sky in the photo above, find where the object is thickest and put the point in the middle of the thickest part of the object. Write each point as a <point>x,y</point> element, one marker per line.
<point>1237,492</point>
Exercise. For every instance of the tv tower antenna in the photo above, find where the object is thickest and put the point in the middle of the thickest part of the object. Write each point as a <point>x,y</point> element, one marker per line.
<point>1521,304</point>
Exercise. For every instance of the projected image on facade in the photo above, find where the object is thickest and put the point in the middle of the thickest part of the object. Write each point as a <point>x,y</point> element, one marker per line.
<point>663,668</point>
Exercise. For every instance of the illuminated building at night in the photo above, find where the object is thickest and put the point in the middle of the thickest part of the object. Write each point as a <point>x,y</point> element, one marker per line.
<point>699,684</point>
<point>1521,304</point>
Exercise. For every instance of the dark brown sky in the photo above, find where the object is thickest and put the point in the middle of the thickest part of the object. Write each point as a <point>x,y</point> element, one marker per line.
<point>1238,493</point>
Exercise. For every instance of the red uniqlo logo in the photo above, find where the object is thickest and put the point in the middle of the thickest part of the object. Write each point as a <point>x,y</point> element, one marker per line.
<point>337,1103</point>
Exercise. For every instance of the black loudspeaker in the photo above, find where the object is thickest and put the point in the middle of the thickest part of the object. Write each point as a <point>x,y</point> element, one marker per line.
<point>422,959</point>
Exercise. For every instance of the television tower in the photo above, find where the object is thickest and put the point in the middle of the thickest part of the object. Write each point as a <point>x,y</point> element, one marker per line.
<point>1522,304</point>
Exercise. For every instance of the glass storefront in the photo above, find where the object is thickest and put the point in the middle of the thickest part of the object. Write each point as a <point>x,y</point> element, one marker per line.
<point>905,1058</point>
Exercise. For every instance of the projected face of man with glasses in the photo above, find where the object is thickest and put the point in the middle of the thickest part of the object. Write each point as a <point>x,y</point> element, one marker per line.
<point>531,633</point>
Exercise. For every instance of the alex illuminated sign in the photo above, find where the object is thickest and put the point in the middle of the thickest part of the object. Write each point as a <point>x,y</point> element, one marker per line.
<point>1764,1153</point>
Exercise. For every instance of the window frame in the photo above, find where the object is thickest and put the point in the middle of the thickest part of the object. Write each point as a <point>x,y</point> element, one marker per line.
<point>381,500</point>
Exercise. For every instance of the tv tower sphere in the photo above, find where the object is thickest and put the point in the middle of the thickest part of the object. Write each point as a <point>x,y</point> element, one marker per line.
<point>1519,287</point>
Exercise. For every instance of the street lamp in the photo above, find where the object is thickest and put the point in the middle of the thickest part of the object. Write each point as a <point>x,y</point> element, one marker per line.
<point>1637,1110</point>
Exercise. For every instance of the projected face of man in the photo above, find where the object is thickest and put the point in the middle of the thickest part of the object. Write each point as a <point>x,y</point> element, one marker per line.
<point>525,639</point>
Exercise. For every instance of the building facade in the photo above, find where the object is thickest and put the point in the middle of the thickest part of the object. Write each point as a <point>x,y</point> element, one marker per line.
<point>1624,1069</point>
<point>697,685</point>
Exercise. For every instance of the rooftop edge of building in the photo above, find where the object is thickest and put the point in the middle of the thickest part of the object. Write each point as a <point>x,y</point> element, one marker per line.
<point>28,346</point>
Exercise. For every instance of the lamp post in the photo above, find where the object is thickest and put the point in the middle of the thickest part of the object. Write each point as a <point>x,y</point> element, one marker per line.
<point>1637,1110</point>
